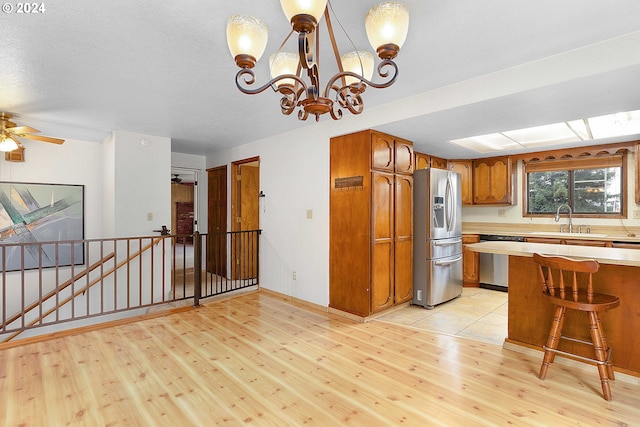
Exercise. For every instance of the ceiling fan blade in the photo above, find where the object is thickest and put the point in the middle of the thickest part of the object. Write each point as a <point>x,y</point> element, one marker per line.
<point>43,138</point>
<point>19,130</point>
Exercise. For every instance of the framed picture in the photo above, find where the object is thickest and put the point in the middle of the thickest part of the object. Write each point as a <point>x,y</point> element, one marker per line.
<point>32,214</point>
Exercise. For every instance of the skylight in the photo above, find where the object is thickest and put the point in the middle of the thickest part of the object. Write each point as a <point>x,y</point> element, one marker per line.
<point>608,126</point>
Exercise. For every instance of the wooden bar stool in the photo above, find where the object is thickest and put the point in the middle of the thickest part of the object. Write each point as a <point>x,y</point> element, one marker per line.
<point>578,295</point>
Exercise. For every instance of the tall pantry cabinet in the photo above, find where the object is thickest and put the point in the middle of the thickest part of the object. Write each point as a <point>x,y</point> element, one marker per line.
<point>371,222</point>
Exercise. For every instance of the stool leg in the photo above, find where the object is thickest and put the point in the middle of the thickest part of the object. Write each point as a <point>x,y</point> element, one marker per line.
<point>605,347</point>
<point>601,355</point>
<point>552,341</point>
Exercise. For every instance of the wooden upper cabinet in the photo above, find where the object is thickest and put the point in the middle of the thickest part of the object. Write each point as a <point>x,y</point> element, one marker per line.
<point>382,152</point>
<point>423,161</point>
<point>439,162</point>
<point>492,181</point>
<point>464,168</point>
<point>404,156</point>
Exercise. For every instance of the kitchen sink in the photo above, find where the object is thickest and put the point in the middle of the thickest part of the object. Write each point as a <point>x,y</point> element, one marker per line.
<point>563,234</point>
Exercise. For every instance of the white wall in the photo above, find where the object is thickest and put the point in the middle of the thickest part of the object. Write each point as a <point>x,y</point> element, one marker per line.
<point>74,162</point>
<point>294,176</point>
<point>142,198</point>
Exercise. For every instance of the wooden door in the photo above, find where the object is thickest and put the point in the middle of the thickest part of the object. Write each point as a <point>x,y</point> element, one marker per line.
<point>216,248</point>
<point>403,254</point>
<point>404,160</point>
<point>382,152</point>
<point>245,212</point>
<point>470,262</point>
<point>492,181</point>
<point>463,167</point>
<point>382,265</point>
<point>439,163</point>
<point>422,161</point>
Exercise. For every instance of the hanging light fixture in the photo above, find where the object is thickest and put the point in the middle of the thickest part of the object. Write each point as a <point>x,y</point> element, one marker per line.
<point>7,143</point>
<point>386,25</point>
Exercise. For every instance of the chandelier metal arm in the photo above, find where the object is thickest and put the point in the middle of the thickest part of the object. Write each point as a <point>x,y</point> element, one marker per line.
<point>247,77</point>
<point>385,74</point>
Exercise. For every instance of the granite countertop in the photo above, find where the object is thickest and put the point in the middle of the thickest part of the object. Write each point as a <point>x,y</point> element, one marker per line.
<point>615,256</point>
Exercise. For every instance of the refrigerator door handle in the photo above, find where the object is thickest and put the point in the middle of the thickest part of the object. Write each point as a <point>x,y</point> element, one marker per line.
<point>445,263</point>
<point>449,204</point>
<point>448,243</point>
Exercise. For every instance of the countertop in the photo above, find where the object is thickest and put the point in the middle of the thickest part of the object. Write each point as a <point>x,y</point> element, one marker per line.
<point>615,256</point>
<point>557,235</point>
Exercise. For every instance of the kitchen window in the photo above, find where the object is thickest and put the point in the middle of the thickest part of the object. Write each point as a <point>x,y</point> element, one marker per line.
<point>592,186</point>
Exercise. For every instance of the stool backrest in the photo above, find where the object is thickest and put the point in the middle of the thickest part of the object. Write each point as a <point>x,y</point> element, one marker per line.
<point>548,264</point>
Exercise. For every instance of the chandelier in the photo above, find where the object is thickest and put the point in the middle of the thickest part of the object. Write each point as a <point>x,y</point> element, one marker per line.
<point>386,26</point>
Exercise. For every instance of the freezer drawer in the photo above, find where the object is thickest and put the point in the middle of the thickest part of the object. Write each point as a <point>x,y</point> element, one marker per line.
<point>443,282</point>
<point>444,247</point>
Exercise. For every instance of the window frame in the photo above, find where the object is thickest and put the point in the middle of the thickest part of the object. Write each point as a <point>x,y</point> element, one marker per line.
<point>575,163</point>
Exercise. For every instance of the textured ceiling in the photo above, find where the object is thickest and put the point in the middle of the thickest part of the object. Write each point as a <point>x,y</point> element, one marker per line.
<point>85,67</point>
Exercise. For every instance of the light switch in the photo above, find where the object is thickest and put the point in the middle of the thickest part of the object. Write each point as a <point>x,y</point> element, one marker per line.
<point>149,216</point>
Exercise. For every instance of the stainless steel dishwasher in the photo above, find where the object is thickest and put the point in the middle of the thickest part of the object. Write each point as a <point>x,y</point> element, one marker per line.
<point>494,268</point>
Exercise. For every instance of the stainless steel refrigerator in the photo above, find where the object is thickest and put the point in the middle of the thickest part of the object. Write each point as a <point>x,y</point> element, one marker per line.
<point>437,236</point>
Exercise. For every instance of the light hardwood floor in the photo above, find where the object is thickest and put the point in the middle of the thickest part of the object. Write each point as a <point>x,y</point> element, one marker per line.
<point>259,360</point>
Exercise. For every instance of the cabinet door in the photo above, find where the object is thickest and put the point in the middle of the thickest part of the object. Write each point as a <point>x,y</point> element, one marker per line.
<point>423,161</point>
<point>403,258</point>
<point>382,152</point>
<point>463,167</point>
<point>470,262</point>
<point>439,163</point>
<point>382,266</point>
<point>492,181</point>
<point>404,156</point>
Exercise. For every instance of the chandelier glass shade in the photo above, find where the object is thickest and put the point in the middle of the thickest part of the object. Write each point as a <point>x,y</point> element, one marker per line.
<point>386,26</point>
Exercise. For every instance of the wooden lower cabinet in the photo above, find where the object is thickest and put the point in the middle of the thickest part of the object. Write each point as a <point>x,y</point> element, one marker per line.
<point>470,262</point>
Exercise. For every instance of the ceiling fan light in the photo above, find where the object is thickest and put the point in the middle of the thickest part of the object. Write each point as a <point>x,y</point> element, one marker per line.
<point>387,24</point>
<point>293,8</point>
<point>282,63</point>
<point>246,37</point>
<point>7,144</point>
<point>357,62</point>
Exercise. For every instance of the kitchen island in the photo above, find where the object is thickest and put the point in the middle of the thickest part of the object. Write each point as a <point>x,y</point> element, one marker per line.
<point>530,313</point>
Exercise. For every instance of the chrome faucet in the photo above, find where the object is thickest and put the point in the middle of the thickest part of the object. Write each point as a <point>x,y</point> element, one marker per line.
<point>570,216</point>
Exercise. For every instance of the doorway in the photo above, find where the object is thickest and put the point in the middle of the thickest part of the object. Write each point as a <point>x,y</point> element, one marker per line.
<point>245,214</point>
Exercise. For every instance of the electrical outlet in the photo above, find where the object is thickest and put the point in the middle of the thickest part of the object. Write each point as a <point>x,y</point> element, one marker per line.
<point>502,212</point>
<point>309,214</point>
<point>294,275</point>
<point>419,295</point>
<point>636,214</point>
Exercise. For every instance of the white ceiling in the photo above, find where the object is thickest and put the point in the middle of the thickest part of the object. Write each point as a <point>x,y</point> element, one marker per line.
<point>85,67</point>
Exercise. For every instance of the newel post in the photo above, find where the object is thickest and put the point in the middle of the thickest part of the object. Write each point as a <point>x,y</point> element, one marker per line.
<point>197,268</point>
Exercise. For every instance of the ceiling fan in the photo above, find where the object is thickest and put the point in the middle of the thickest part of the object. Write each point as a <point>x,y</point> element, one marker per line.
<point>176,178</point>
<point>10,134</point>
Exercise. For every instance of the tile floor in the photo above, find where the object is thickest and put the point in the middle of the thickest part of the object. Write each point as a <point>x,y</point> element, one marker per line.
<point>478,313</point>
